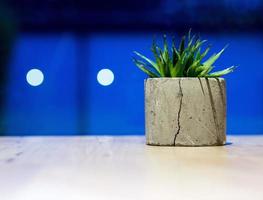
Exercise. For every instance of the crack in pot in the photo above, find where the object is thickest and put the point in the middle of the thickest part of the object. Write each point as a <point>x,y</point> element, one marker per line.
<point>213,107</point>
<point>179,112</point>
<point>202,88</point>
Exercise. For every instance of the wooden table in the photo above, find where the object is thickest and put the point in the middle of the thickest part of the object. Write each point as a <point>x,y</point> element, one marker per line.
<point>123,168</point>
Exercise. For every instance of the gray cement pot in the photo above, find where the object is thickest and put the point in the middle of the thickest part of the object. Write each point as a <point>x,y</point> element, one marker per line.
<point>185,111</point>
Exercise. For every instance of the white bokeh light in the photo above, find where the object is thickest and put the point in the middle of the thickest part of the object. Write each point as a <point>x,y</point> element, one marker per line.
<point>34,77</point>
<point>105,77</point>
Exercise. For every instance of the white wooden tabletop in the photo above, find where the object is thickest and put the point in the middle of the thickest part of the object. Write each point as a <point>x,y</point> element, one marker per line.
<point>124,168</point>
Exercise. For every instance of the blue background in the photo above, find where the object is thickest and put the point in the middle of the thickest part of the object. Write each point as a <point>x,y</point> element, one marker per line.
<point>72,102</point>
<point>53,107</point>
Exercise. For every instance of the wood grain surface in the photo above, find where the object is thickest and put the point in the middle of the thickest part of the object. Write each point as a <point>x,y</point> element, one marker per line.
<point>124,168</point>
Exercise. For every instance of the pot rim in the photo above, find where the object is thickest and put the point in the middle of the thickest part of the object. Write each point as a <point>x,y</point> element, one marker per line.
<point>190,78</point>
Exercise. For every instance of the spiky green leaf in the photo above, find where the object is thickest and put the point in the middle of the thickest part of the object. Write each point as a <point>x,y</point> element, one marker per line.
<point>222,72</point>
<point>213,58</point>
<point>144,68</point>
<point>152,63</point>
<point>186,60</point>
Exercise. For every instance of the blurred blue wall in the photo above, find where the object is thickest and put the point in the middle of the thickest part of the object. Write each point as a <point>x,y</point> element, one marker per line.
<point>71,101</point>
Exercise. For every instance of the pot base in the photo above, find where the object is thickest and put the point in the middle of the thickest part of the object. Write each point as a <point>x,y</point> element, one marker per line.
<point>186,145</point>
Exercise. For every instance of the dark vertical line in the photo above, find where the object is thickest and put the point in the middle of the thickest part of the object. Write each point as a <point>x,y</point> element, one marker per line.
<point>201,86</point>
<point>221,91</point>
<point>179,112</point>
<point>81,83</point>
<point>213,107</point>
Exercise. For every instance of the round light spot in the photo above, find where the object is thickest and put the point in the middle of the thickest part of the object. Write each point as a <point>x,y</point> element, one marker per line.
<point>105,77</point>
<point>34,77</point>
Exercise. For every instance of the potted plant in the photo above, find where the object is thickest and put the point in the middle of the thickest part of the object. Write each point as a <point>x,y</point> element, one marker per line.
<point>185,104</point>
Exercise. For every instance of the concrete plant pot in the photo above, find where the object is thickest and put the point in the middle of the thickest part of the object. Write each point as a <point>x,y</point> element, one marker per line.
<point>185,111</point>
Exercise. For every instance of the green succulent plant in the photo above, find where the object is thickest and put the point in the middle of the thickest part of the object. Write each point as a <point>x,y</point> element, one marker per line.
<point>184,61</point>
